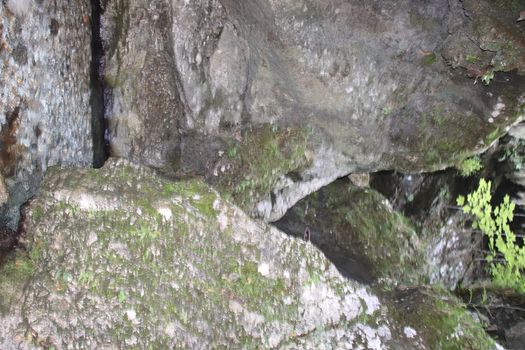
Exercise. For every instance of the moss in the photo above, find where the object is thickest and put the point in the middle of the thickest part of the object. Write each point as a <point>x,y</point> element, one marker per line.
<point>472,59</point>
<point>14,273</point>
<point>38,213</point>
<point>265,154</point>
<point>442,139</point>
<point>382,242</point>
<point>430,59</point>
<point>439,319</point>
<point>383,236</point>
<point>492,136</point>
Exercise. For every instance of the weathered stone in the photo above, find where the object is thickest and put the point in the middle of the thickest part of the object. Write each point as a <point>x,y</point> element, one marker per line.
<point>375,85</point>
<point>434,319</point>
<point>45,114</point>
<point>360,179</point>
<point>426,200</point>
<point>120,257</point>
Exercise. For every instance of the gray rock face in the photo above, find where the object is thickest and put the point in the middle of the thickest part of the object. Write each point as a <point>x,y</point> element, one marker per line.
<point>45,114</point>
<point>376,85</point>
<point>120,258</point>
<point>451,245</point>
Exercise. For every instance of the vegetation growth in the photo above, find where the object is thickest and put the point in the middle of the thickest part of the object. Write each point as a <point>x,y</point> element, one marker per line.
<point>265,154</point>
<point>506,258</point>
<point>470,166</point>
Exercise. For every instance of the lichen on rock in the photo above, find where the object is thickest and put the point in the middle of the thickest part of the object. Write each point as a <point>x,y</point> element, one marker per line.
<point>149,264</point>
<point>129,259</point>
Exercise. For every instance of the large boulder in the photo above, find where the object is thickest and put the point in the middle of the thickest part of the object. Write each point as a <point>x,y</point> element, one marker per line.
<point>120,258</point>
<point>370,85</point>
<point>45,111</point>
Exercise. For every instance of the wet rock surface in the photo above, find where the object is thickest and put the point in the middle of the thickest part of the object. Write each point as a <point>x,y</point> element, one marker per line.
<point>144,261</point>
<point>375,86</point>
<point>45,114</point>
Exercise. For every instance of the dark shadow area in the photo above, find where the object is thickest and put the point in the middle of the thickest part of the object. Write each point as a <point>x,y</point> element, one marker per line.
<point>414,194</point>
<point>312,219</point>
<point>98,89</point>
<point>349,267</point>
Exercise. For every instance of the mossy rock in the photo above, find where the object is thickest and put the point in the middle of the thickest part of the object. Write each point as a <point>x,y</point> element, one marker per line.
<point>15,272</point>
<point>357,226</point>
<point>250,169</point>
<point>122,258</point>
<point>128,259</point>
<point>434,317</point>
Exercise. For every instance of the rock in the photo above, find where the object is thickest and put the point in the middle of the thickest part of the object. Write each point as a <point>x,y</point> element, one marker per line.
<point>403,237</point>
<point>4,194</point>
<point>358,230</point>
<point>376,85</point>
<point>428,201</point>
<point>495,41</point>
<point>360,179</point>
<point>518,131</point>
<point>433,319</point>
<point>515,336</point>
<point>45,112</point>
<point>119,257</point>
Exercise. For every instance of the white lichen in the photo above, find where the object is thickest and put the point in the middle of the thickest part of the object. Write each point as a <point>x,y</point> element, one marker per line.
<point>19,7</point>
<point>409,332</point>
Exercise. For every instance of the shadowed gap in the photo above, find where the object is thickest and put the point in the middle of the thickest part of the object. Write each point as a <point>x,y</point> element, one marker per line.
<point>98,89</point>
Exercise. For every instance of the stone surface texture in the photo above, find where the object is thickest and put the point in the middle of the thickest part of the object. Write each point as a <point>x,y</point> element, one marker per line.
<point>375,85</point>
<point>45,112</point>
<point>120,257</point>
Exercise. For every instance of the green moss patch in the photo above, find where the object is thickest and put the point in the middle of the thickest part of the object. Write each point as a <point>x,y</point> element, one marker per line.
<point>438,318</point>
<point>14,273</point>
<point>253,166</point>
